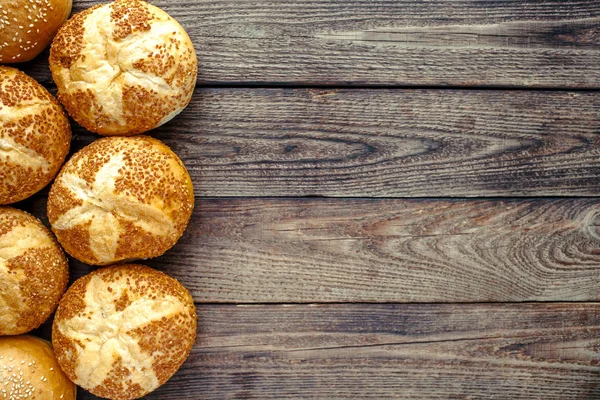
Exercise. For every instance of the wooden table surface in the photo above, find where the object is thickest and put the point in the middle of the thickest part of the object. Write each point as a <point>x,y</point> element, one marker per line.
<point>395,199</point>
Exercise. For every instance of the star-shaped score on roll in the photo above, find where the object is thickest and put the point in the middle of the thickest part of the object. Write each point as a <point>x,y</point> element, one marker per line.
<point>107,212</point>
<point>122,331</point>
<point>33,272</point>
<point>121,198</point>
<point>34,136</point>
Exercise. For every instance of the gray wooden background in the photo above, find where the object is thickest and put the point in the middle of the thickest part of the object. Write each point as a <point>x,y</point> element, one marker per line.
<point>395,199</point>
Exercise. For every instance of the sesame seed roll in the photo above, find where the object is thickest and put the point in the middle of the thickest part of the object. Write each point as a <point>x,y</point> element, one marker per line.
<point>34,136</point>
<point>29,370</point>
<point>122,331</point>
<point>120,198</point>
<point>33,272</point>
<point>28,26</point>
<point>123,68</point>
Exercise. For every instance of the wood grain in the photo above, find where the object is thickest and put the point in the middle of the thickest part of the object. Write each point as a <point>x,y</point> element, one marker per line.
<point>352,145</point>
<point>346,250</point>
<point>387,143</point>
<point>350,351</point>
<point>409,42</point>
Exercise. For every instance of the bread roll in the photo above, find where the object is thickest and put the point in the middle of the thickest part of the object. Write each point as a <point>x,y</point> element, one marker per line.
<point>33,272</point>
<point>123,68</point>
<point>28,26</point>
<point>34,136</point>
<point>121,198</point>
<point>122,331</point>
<point>28,370</point>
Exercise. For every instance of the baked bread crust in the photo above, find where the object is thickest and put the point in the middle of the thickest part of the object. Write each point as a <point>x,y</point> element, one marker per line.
<point>35,136</point>
<point>28,26</point>
<point>30,371</point>
<point>123,68</point>
<point>122,331</point>
<point>121,198</point>
<point>33,272</point>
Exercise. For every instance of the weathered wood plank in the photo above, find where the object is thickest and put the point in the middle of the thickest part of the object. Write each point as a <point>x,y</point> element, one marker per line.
<point>347,250</point>
<point>387,143</point>
<point>409,42</point>
<point>483,351</point>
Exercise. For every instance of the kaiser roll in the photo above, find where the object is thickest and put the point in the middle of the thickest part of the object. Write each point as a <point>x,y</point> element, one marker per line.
<point>27,27</point>
<point>120,198</point>
<point>34,136</point>
<point>122,331</point>
<point>123,68</point>
<point>33,272</point>
<point>28,370</point>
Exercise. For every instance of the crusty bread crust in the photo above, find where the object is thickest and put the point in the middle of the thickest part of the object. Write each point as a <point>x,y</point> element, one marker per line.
<point>123,68</point>
<point>33,272</point>
<point>35,136</point>
<point>122,331</point>
<point>30,371</point>
<point>121,198</point>
<point>28,26</point>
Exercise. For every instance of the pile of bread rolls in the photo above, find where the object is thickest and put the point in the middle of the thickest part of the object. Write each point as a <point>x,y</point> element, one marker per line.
<point>121,69</point>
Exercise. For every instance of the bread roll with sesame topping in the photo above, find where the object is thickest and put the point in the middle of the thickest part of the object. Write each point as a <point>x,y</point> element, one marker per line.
<point>28,26</point>
<point>29,370</point>
<point>121,198</point>
<point>33,272</point>
<point>34,136</point>
<point>122,331</point>
<point>123,68</point>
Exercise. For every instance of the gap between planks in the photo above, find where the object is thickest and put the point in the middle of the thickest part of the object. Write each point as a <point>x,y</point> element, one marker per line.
<point>506,351</point>
<point>469,43</point>
<point>385,251</point>
<point>282,85</point>
<point>386,143</point>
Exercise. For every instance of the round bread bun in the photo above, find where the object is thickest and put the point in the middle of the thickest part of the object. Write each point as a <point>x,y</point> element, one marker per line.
<point>33,272</point>
<point>28,26</point>
<point>34,136</point>
<point>121,198</point>
<point>122,331</point>
<point>29,370</point>
<point>123,68</point>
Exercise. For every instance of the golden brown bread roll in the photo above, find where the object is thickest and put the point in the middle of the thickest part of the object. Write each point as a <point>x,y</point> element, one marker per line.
<point>29,370</point>
<point>122,331</point>
<point>28,26</point>
<point>34,136</point>
<point>33,272</point>
<point>121,198</point>
<point>123,68</point>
